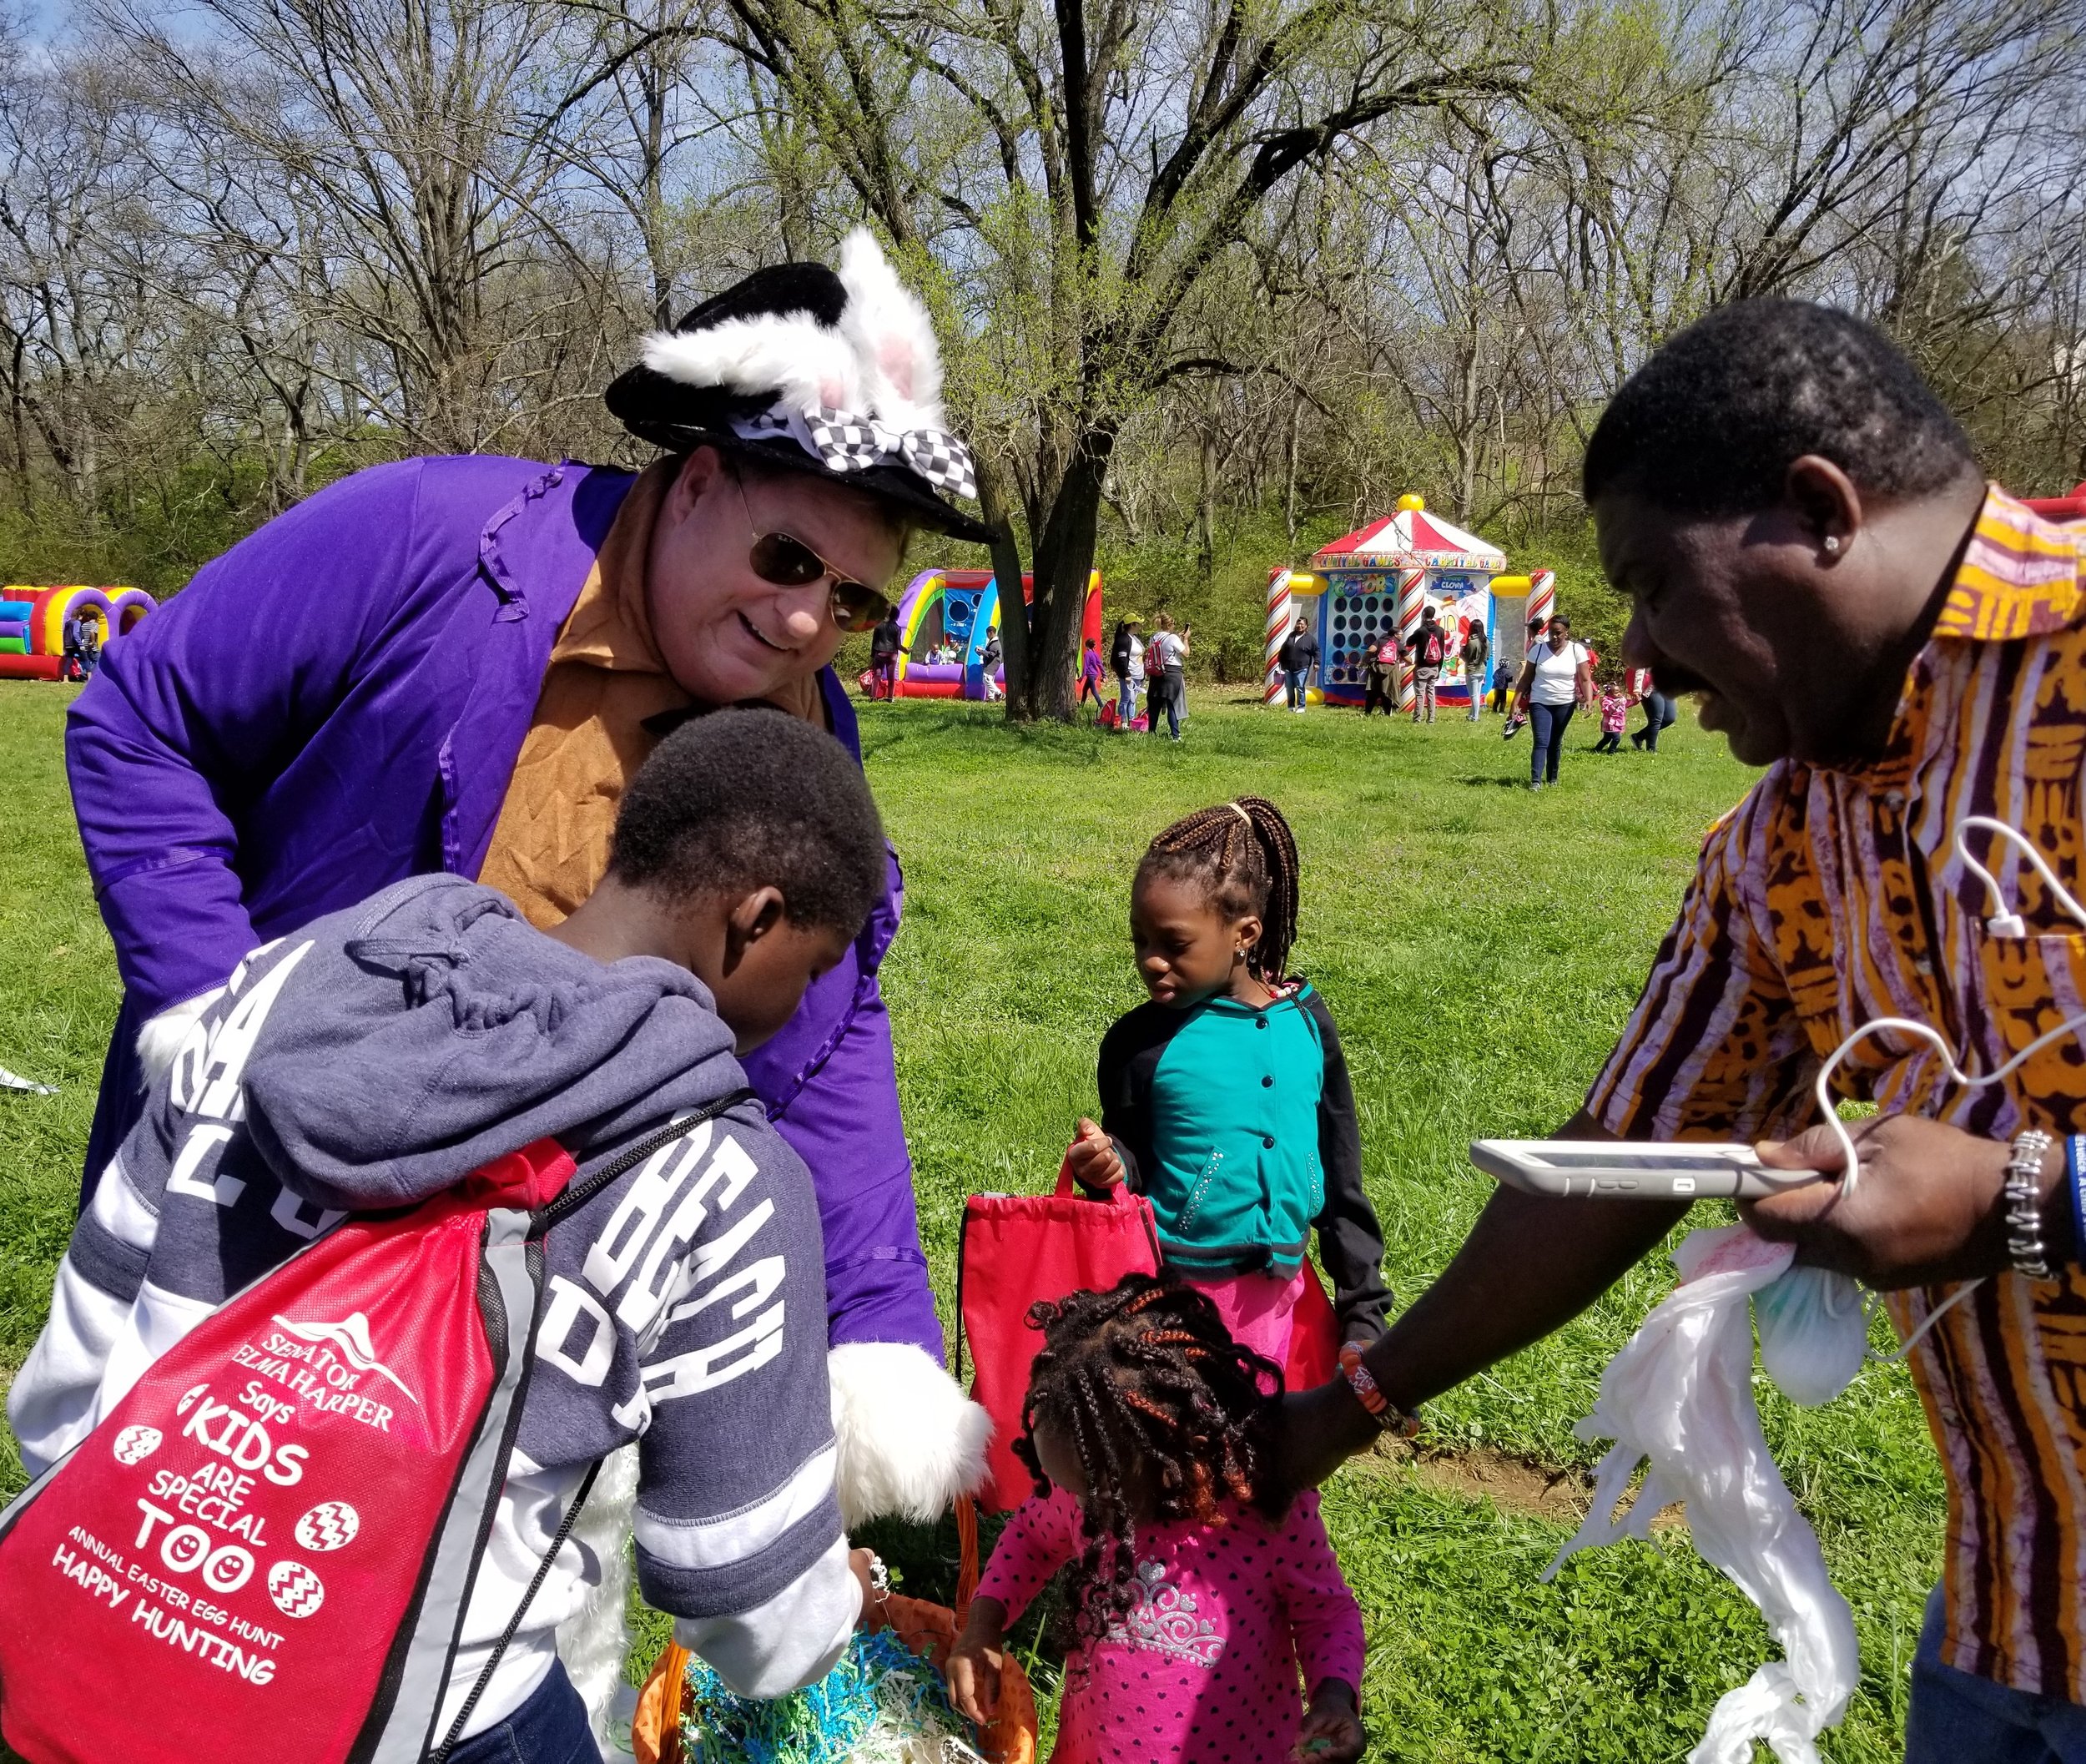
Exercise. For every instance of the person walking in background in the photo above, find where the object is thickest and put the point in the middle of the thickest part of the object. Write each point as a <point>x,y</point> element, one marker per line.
<point>1555,680</point>
<point>1126,659</point>
<point>1298,655</point>
<point>989,661</point>
<point>1380,678</point>
<point>1502,685</point>
<point>1659,712</point>
<point>1427,651</point>
<point>886,646</point>
<point>1090,672</point>
<point>1615,718</point>
<point>1166,665</point>
<point>1476,648</point>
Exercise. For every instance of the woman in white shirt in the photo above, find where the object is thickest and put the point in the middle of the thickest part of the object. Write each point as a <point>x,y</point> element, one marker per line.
<point>1555,680</point>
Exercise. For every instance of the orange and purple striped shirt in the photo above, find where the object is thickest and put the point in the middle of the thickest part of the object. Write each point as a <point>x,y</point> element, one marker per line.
<point>1828,898</point>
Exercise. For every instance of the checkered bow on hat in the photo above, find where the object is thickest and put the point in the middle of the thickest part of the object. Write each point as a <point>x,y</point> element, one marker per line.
<point>848,442</point>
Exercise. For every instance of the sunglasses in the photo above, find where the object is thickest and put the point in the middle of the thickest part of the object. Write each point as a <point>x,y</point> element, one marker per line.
<point>789,562</point>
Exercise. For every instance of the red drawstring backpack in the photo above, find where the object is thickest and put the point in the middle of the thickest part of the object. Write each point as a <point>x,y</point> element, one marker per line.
<point>1018,1249</point>
<point>265,1550</point>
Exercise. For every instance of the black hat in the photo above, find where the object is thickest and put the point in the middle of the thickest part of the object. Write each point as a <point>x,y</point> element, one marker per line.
<point>810,371</point>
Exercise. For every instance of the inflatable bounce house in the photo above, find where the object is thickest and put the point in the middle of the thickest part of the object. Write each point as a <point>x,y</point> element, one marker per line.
<point>1379,580</point>
<point>32,624</point>
<point>948,615</point>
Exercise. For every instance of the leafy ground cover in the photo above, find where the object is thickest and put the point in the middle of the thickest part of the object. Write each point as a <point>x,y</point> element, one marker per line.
<point>1480,948</point>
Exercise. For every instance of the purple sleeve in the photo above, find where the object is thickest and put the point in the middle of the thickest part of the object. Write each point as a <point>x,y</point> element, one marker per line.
<point>1037,1541</point>
<point>830,1082</point>
<point>844,1123</point>
<point>1324,1616</point>
<point>191,712</point>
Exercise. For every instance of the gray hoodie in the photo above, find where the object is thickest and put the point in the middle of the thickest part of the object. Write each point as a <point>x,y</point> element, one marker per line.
<point>380,1055</point>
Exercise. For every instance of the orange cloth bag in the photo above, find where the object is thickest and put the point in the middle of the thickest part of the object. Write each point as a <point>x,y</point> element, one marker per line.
<point>928,1630</point>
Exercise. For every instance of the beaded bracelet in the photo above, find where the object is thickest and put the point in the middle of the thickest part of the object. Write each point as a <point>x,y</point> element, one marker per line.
<point>1388,1417</point>
<point>2024,1204</point>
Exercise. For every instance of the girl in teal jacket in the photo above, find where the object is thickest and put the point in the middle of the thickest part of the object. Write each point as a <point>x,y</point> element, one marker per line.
<point>1225,1100</point>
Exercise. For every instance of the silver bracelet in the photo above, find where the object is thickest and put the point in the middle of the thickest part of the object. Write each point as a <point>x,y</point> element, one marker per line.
<point>2024,1204</point>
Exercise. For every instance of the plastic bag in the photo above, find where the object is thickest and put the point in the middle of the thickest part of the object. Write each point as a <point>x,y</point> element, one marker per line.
<point>1679,1395</point>
<point>1814,1332</point>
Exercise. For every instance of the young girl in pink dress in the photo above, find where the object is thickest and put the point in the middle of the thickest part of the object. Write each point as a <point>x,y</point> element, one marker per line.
<point>1198,1607</point>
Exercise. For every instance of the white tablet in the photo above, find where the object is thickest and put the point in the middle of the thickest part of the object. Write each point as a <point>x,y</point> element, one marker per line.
<point>1618,1168</point>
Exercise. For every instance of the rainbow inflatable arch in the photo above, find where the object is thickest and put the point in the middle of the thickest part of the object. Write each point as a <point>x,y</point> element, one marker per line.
<point>955,611</point>
<point>32,624</point>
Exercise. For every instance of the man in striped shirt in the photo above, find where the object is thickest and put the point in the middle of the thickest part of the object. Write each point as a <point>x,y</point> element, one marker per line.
<point>1805,542</point>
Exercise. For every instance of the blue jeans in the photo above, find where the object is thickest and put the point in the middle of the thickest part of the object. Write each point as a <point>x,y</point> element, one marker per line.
<point>1659,713</point>
<point>1956,1717</point>
<point>550,1727</point>
<point>1166,695</point>
<point>1293,686</point>
<point>1125,706</point>
<point>1548,722</point>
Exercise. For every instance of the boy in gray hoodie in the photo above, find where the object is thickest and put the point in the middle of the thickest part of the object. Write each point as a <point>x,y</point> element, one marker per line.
<point>386,1052</point>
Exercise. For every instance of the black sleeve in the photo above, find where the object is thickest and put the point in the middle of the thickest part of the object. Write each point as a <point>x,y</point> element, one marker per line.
<point>1350,1240</point>
<point>1129,1053</point>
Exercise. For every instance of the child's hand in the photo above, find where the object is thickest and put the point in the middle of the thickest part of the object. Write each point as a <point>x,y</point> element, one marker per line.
<point>975,1665</point>
<point>1332,1730</point>
<point>864,1565</point>
<point>1092,1156</point>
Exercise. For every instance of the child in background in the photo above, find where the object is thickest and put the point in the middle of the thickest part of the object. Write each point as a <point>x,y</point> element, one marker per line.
<point>1225,1100</point>
<point>1615,718</point>
<point>1194,1599</point>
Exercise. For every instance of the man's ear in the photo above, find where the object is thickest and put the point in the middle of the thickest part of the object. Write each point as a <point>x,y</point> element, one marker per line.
<point>752,917</point>
<point>698,472</point>
<point>1827,502</point>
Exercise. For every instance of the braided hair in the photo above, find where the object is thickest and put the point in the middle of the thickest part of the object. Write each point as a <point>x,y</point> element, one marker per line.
<point>1168,1415</point>
<point>1244,855</point>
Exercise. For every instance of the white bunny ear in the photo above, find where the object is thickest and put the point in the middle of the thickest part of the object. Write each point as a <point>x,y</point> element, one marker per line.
<point>791,355</point>
<point>893,338</point>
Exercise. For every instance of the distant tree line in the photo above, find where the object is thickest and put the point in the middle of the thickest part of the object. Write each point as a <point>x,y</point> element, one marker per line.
<point>1203,269</point>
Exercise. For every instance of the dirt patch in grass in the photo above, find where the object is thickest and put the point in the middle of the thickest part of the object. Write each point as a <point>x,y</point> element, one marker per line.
<point>1516,1485</point>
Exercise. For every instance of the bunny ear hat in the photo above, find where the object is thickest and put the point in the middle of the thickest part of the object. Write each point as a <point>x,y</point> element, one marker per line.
<point>833,374</point>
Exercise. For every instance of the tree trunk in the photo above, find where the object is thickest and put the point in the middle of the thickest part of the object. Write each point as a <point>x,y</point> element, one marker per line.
<point>1013,612</point>
<point>1064,561</point>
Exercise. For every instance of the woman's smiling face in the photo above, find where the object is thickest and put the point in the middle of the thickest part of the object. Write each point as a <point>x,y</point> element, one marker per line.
<point>724,634</point>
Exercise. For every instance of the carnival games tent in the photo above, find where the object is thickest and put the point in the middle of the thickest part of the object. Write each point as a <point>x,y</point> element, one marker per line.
<point>1426,559</point>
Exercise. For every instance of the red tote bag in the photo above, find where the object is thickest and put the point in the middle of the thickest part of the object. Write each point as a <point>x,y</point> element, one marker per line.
<point>1018,1249</point>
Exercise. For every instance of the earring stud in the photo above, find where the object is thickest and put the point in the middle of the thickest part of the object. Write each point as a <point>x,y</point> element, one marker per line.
<point>1832,543</point>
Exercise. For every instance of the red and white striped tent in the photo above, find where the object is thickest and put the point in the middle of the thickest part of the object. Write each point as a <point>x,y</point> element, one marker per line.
<point>1362,571</point>
<point>1412,539</point>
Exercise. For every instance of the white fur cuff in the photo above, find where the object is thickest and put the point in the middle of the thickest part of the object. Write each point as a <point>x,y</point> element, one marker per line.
<point>161,1037</point>
<point>910,1440</point>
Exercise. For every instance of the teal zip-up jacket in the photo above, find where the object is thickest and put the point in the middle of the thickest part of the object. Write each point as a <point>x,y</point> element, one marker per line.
<point>1238,1125</point>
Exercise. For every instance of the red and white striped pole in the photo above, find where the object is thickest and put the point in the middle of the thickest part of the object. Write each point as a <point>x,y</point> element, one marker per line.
<point>1542,595</point>
<point>1280,616</point>
<point>1412,602</point>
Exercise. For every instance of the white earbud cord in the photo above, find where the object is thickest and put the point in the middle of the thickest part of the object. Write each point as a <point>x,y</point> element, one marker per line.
<point>2001,924</point>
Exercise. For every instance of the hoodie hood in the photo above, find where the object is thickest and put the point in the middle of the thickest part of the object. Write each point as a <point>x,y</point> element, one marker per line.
<point>399,1046</point>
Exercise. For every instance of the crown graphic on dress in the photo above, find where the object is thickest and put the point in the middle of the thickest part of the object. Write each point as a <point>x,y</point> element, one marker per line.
<point>1166,1621</point>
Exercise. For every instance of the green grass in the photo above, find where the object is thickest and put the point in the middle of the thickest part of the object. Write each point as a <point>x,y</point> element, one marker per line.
<point>1480,948</point>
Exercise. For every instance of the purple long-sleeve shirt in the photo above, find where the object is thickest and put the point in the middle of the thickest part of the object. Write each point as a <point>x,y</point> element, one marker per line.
<point>337,703</point>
